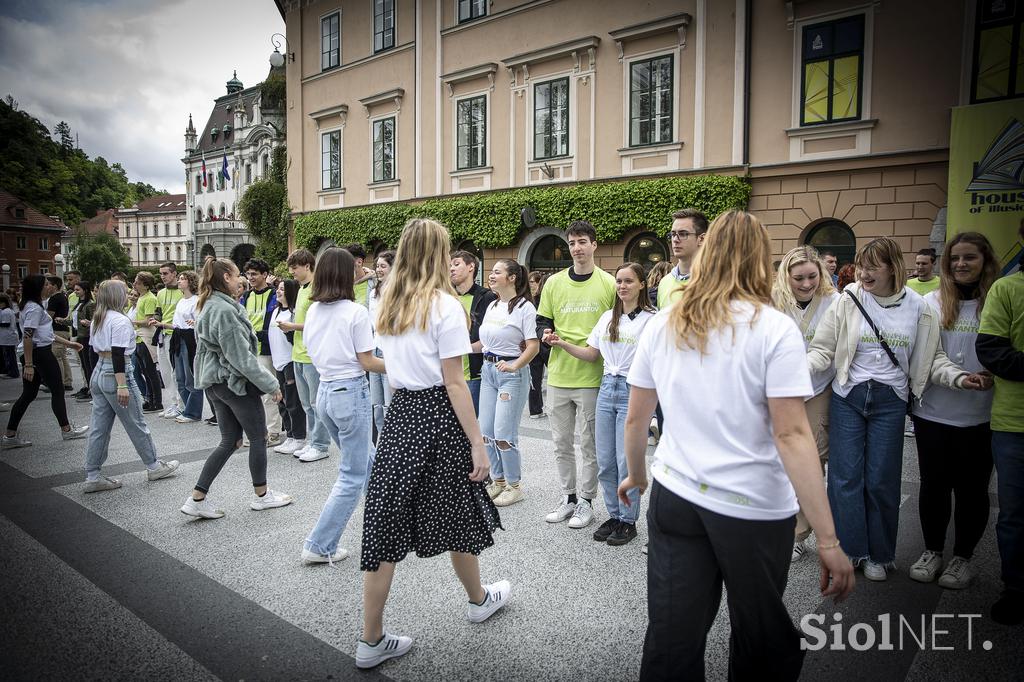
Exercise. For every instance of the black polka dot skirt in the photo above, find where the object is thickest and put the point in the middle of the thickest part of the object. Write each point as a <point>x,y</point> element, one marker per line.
<point>419,497</point>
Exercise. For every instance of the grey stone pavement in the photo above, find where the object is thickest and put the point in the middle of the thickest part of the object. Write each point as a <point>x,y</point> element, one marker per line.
<point>121,585</point>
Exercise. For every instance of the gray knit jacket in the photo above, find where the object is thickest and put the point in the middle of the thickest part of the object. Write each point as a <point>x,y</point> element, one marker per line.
<point>226,348</point>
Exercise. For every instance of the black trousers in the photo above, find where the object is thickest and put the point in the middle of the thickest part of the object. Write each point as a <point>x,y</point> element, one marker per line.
<point>536,398</point>
<point>150,374</point>
<point>47,370</point>
<point>87,356</point>
<point>692,552</point>
<point>237,415</point>
<point>955,463</point>
<point>293,417</point>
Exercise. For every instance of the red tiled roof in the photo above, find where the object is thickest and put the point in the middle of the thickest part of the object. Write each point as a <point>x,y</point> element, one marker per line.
<point>162,203</point>
<point>103,221</point>
<point>32,216</point>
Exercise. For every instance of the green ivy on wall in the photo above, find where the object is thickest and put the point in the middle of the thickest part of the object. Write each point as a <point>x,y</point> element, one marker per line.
<point>492,220</point>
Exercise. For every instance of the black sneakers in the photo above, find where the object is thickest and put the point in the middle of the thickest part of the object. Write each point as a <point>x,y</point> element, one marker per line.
<point>605,529</point>
<point>623,533</point>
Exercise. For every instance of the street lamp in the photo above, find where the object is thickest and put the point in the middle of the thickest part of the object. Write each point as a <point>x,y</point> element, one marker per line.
<point>59,260</point>
<point>277,59</point>
<point>6,269</point>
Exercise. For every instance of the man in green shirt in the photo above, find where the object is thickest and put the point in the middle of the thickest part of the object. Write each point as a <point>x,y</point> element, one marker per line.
<point>686,237</point>
<point>572,303</point>
<point>365,280</point>
<point>1000,348</point>
<point>307,381</point>
<point>926,279</point>
<point>259,303</point>
<point>167,298</point>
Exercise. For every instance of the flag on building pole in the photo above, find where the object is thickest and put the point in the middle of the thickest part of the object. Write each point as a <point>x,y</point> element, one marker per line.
<point>204,170</point>
<point>224,168</point>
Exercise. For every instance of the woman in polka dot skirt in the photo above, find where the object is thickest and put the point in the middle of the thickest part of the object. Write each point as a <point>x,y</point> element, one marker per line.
<point>426,491</point>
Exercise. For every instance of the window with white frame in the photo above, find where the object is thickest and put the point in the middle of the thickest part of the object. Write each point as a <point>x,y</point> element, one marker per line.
<point>330,160</point>
<point>145,254</point>
<point>127,230</point>
<point>177,228</point>
<point>832,73</point>
<point>472,9</point>
<point>21,242</point>
<point>330,41</point>
<point>22,271</point>
<point>383,25</point>
<point>384,149</point>
<point>44,268</point>
<point>471,132</point>
<point>44,243</point>
<point>651,91</point>
<point>551,119</point>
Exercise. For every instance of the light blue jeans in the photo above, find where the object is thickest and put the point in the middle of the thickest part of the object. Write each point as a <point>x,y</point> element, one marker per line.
<point>103,386</point>
<point>307,384</point>
<point>503,396</point>
<point>191,397</point>
<point>609,439</point>
<point>343,408</point>
<point>380,395</point>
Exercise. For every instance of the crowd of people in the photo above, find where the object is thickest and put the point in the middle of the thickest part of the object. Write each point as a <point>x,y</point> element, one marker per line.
<point>777,379</point>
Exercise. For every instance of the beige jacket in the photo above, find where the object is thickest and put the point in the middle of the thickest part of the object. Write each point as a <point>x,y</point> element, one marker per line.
<point>835,342</point>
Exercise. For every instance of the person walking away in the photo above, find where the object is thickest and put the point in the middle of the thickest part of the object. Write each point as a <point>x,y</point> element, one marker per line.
<point>426,491</point>
<point>114,392</point>
<point>226,366</point>
<point>733,460</point>
<point>574,300</point>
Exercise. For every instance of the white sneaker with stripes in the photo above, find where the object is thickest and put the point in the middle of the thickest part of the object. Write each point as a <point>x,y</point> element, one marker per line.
<point>497,596</point>
<point>389,646</point>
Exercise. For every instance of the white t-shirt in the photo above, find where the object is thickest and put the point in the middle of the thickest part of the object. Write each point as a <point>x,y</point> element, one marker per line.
<point>34,316</point>
<point>280,347</point>
<point>618,356</point>
<point>717,449</point>
<point>8,334</point>
<point>502,332</point>
<point>819,380</point>
<point>116,330</point>
<point>898,325</point>
<point>373,304</point>
<point>184,311</point>
<point>413,359</point>
<point>946,405</point>
<point>334,333</point>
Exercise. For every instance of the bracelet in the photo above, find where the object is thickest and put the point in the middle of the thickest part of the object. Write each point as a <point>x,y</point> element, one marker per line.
<point>124,387</point>
<point>834,545</point>
<point>30,366</point>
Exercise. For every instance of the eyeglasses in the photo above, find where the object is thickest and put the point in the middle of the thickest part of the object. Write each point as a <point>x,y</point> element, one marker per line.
<point>681,235</point>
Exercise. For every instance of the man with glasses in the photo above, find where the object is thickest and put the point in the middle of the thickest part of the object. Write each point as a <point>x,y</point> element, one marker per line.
<point>686,237</point>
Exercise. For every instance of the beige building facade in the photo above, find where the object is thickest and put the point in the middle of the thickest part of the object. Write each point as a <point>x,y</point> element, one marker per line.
<point>838,113</point>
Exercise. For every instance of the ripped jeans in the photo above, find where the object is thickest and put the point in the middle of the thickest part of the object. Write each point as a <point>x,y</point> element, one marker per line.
<point>503,396</point>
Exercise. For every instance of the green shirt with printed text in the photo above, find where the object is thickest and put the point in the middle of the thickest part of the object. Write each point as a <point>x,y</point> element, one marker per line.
<point>145,307</point>
<point>1003,315</point>
<point>575,308</point>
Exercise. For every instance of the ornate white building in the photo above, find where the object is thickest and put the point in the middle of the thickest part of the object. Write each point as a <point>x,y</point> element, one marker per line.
<point>242,132</point>
<point>155,230</point>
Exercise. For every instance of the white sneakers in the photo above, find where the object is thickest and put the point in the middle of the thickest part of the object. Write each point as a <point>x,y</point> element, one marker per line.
<point>163,470</point>
<point>494,489</point>
<point>927,567</point>
<point>509,496</point>
<point>201,509</point>
<point>311,454</point>
<point>270,500</point>
<point>874,571</point>
<point>182,419</point>
<point>309,557</point>
<point>12,442</point>
<point>957,576</point>
<point>75,432</point>
<point>290,446</point>
<point>171,412</point>
<point>799,551</point>
<point>101,484</point>
<point>563,511</point>
<point>497,595</point>
<point>583,515</point>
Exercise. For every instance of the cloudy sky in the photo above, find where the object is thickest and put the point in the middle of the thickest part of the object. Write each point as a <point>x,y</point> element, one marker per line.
<point>126,73</point>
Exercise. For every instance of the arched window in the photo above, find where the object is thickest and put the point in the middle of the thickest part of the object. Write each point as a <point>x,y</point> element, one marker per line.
<point>210,213</point>
<point>199,215</point>
<point>207,252</point>
<point>472,248</point>
<point>179,259</point>
<point>223,211</point>
<point>549,254</point>
<point>647,250</point>
<point>145,254</point>
<point>264,166</point>
<point>835,236</point>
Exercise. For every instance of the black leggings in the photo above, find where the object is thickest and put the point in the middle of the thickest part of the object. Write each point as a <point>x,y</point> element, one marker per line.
<point>536,398</point>
<point>955,462</point>
<point>87,356</point>
<point>150,373</point>
<point>235,415</point>
<point>293,418</point>
<point>47,370</point>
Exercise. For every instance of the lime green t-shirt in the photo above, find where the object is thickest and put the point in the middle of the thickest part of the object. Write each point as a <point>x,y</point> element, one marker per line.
<point>145,307</point>
<point>361,290</point>
<point>666,286</point>
<point>923,287</point>
<point>168,300</point>
<point>1003,315</point>
<point>302,304</point>
<point>467,301</point>
<point>256,311</point>
<point>575,307</point>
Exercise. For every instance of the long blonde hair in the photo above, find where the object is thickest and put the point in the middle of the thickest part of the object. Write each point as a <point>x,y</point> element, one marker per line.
<point>111,295</point>
<point>782,291</point>
<point>211,279</point>
<point>421,268</point>
<point>735,264</point>
<point>949,295</point>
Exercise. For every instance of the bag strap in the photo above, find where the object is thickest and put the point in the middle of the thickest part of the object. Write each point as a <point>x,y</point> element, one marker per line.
<point>878,334</point>
<point>809,315</point>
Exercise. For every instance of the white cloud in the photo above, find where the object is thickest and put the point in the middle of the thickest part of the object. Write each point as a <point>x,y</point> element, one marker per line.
<point>126,74</point>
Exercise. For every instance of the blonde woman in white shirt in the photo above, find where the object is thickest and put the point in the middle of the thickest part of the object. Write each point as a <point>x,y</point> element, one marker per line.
<point>803,290</point>
<point>426,491</point>
<point>731,374</point>
<point>615,338</point>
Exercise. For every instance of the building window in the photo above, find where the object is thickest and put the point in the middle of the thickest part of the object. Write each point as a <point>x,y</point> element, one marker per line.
<point>264,166</point>
<point>177,228</point>
<point>21,243</point>
<point>167,229</point>
<point>145,254</point>
<point>179,259</point>
<point>127,230</point>
<point>833,71</point>
<point>998,70</point>
<point>44,268</point>
<point>330,160</point>
<point>650,101</point>
<point>248,173</point>
<point>550,254</point>
<point>19,213</point>
<point>22,271</point>
<point>145,230</point>
<point>383,25</point>
<point>472,132</point>
<point>223,212</point>
<point>647,250</point>
<point>834,236</point>
<point>330,41</point>
<point>44,243</point>
<point>472,9</point>
<point>209,187</point>
<point>384,149</point>
<point>551,119</point>
<point>199,183</point>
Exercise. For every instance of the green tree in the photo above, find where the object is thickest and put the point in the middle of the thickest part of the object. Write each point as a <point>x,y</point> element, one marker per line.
<point>96,256</point>
<point>264,210</point>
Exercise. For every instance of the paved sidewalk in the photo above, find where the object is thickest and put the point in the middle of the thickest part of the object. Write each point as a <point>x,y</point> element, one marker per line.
<point>122,585</point>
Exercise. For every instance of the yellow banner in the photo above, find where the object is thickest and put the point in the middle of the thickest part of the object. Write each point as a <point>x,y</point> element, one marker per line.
<point>986,175</point>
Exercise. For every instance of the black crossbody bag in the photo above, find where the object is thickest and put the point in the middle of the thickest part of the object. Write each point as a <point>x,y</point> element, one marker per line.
<point>887,349</point>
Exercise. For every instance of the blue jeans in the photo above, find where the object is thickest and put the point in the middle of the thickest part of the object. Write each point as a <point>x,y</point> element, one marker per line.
<point>503,396</point>
<point>191,397</point>
<point>474,393</point>
<point>380,395</point>
<point>609,435</point>
<point>343,407</point>
<point>307,383</point>
<point>1008,453</point>
<point>103,387</point>
<point>864,470</point>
